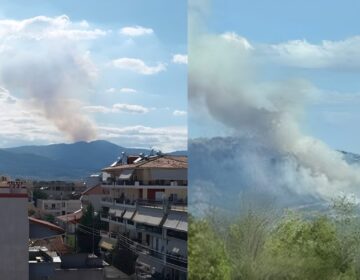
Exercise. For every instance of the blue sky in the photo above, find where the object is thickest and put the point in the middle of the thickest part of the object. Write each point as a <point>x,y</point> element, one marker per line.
<point>315,41</point>
<point>122,68</point>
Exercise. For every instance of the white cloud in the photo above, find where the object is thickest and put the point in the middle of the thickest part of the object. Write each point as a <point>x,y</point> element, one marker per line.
<point>180,59</point>
<point>97,109</point>
<point>235,38</point>
<point>135,31</point>
<point>130,108</point>
<point>166,139</point>
<point>43,27</point>
<point>110,90</point>
<point>121,90</point>
<point>19,123</point>
<point>179,113</point>
<point>344,54</point>
<point>6,97</point>
<point>117,108</point>
<point>128,90</point>
<point>138,66</point>
<point>341,54</point>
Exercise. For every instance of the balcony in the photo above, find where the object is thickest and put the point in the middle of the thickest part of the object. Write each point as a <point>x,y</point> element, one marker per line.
<point>53,208</point>
<point>107,234</point>
<point>108,201</point>
<point>141,184</point>
<point>104,217</point>
<point>136,246</point>
<point>179,204</point>
<point>176,259</point>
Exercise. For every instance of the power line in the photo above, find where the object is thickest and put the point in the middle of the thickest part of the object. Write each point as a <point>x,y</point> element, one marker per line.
<point>124,241</point>
<point>132,242</point>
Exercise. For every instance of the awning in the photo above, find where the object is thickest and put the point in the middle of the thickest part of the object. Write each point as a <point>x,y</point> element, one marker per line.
<point>149,216</point>
<point>177,221</point>
<point>126,174</point>
<point>129,213</point>
<point>119,213</point>
<point>116,212</point>
<point>107,244</point>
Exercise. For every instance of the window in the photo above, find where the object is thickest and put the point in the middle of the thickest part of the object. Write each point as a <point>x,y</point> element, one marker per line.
<point>53,206</point>
<point>177,234</point>
<point>173,197</point>
<point>149,228</point>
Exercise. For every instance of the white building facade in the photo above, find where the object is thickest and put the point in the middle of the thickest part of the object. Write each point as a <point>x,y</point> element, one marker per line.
<point>146,211</point>
<point>57,207</point>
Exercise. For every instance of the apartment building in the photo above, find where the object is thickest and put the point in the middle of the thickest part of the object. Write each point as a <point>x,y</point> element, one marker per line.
<point>57,207</point>
<point>146,212</point>
<point>14,235</point>
<point>60,189</point>
<point>94,196</point>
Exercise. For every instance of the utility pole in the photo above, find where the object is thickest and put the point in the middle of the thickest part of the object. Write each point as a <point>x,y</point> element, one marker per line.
<point>93,235</point>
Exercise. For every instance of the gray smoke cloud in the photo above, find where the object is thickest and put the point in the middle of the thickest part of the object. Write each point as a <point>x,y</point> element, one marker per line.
<point>224,79</point>
<point>50,74</point>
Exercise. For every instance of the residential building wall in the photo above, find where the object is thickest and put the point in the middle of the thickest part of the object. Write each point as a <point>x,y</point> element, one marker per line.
<point>58,207</point>
<point>94,200</point>
<point>14,236</point>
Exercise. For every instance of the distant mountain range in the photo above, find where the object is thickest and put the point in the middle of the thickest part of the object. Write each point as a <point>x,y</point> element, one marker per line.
<point>62,161</point>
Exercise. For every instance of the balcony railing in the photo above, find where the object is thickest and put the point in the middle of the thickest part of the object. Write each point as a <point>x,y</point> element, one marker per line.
<point>176,259</point>
<point>108,234</point>
<point>141,183</point>
<point>173,260</point>
<point>104,216</point>
<point>179,204</point>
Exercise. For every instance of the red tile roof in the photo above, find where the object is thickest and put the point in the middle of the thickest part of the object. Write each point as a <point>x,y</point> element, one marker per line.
<point>54,244</point>
<point>72,217</point>
<point>46,224</point>
<point>94,190</point>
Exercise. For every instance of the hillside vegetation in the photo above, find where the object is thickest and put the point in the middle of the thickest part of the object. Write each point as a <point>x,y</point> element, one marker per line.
<point>268,245</point>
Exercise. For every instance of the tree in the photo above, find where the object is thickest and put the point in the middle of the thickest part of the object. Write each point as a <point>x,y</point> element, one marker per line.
<point>206,252</point>
<point>123,258</point>
<point>39,194</point>
<point>308,249</point>
<point>50,218</point>
<point>88,236</point>
<point>31,212</point>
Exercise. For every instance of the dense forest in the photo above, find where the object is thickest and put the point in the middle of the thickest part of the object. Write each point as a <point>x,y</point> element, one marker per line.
<point>268,244</point>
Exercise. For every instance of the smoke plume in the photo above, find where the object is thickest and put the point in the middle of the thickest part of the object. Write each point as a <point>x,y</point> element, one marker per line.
<point>223,78</point>
<point>50,73</point>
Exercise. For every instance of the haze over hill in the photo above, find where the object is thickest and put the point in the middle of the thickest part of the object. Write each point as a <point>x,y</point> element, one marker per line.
<point>62,161</point>
<point>226,170</point>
